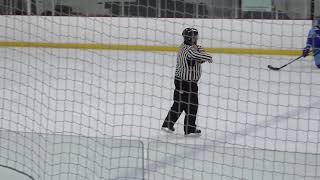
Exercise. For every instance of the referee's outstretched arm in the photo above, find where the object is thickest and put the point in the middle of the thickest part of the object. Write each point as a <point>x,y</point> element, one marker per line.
<point>199,56</point>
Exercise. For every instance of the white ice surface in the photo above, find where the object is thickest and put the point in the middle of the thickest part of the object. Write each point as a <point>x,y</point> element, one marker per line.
<point>244,107</point>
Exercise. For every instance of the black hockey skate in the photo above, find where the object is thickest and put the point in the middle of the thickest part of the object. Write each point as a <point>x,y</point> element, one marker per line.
<point>167,129</point>
<point>195,133</point>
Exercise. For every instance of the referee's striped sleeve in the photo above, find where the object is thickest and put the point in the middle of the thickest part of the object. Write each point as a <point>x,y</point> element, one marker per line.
<point>198,56</point>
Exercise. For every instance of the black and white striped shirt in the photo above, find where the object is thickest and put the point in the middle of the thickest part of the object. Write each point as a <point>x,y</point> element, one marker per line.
<point>189,61</point>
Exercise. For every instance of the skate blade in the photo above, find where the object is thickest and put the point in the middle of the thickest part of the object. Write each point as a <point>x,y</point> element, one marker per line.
<point>193,135</point>
<point>167,130</point>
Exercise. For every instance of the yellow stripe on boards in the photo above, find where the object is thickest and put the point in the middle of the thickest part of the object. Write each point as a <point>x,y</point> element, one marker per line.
<point>248,51</point>
<point>241,51</point>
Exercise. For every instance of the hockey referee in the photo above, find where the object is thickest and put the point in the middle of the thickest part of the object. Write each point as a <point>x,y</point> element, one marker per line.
<point>188,72</point>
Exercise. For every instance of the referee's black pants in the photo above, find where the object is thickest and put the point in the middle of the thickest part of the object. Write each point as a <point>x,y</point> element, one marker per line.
<point>185,99</point>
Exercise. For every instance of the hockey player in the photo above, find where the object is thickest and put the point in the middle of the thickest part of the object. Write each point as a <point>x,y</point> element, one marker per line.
<point>313,42</point>
<point>188,72</point>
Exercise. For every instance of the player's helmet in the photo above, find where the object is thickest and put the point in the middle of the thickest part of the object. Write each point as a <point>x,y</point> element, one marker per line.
<point>188,34</point>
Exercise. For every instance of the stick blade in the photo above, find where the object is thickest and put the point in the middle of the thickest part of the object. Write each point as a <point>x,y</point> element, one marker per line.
<point>273,68</point>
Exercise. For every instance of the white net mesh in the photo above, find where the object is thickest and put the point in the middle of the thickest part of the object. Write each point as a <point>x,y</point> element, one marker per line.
<point>85,98</point>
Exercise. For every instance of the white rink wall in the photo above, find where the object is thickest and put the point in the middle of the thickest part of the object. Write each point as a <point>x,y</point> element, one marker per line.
<point>245,33</point>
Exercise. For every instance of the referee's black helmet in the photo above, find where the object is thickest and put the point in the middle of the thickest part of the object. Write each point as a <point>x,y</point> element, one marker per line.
<point>188,34</point>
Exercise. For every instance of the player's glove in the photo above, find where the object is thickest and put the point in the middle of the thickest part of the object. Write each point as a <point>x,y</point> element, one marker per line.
<point>305,52</point>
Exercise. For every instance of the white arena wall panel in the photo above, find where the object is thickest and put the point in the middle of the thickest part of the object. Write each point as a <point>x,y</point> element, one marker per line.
<point>243,33</point>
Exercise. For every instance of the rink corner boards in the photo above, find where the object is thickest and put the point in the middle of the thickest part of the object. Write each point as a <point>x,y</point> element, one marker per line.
<point>146,48</point>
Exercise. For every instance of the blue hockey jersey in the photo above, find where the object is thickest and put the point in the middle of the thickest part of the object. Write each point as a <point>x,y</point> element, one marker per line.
<point>313,40</point>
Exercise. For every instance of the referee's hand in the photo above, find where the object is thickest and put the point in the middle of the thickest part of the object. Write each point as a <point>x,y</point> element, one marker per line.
<point>199,48</point>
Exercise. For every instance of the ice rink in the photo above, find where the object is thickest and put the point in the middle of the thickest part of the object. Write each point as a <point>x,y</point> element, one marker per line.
<point>87,114</point>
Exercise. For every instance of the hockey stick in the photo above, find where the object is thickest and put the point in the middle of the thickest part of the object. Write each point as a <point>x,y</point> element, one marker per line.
<point>278,68</point>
